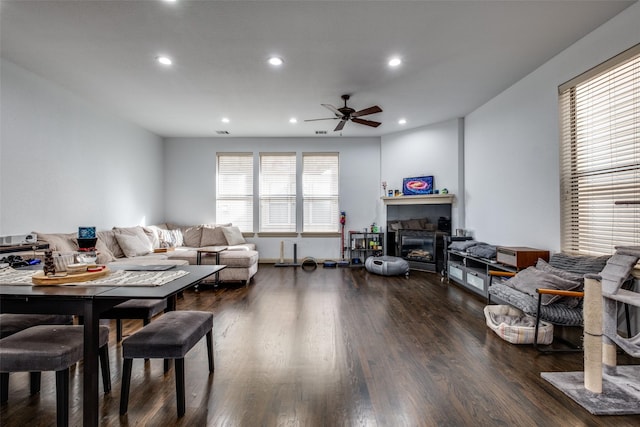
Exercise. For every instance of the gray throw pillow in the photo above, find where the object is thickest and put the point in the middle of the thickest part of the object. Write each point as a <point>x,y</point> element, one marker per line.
<point>530,279</point>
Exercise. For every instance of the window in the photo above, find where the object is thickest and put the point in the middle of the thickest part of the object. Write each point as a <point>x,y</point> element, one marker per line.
<point>320,192</point>
<point>600,157</point>
<point>234,201</point>
<point>278,192</point>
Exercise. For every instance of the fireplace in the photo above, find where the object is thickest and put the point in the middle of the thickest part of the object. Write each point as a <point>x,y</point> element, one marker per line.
<point>418,247</point>
<point>417,227</point>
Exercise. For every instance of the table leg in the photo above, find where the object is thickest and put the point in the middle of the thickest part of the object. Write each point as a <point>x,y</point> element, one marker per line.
<point>217,279</point>
<point>90,362</point>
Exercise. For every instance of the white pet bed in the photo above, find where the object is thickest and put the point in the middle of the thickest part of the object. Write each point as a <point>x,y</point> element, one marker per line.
<point>513,326</point>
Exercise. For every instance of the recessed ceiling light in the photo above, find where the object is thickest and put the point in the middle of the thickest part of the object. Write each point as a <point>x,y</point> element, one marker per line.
<point>293,120</point>
<point>225,120</point>
<point>164,60</point>
<point>402,121</point>
<point>276,61</point>
<point>394,62</point>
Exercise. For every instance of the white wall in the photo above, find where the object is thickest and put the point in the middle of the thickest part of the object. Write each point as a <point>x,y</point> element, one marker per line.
<point>430,150</point>
<point>65,163</point>
<point>512,144</point>
<point>190,184</point>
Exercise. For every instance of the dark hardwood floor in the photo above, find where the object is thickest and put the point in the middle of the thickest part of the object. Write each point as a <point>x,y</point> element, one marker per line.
<point>334,347</point>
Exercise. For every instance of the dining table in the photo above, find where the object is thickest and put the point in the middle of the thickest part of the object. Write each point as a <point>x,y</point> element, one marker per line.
<point>89,300</point>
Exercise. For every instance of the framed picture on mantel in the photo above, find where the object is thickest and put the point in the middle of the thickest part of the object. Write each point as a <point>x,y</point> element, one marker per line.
<point>418,185</point>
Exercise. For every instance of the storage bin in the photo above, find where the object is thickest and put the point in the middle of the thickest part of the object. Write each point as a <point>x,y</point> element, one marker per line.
<point>513,326</point>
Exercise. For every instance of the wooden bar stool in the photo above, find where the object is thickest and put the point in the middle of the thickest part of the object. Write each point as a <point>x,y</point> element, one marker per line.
<point>169,337</point>
<point>50,348</point>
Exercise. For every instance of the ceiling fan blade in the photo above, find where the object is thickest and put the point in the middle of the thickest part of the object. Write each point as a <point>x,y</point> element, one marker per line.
<point>333,109</point>
<point>367,111</point>
<point>366,122</point>
<point>340,125</point>
<point>315,120</point>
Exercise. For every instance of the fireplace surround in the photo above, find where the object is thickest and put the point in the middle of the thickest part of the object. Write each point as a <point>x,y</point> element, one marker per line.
<point>418,247</point>
<point>416,229</point>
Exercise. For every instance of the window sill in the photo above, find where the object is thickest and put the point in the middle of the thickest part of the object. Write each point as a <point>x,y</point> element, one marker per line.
<point>278,234</point>
<point>321,234</point>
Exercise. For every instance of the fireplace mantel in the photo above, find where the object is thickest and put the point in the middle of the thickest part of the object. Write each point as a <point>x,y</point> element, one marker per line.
<point>430,199</point>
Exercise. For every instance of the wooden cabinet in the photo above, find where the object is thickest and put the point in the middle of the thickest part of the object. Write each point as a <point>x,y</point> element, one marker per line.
<point>363,245</point>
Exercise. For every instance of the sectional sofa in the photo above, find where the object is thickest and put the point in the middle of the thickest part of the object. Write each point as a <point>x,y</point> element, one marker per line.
<point>168,244</point>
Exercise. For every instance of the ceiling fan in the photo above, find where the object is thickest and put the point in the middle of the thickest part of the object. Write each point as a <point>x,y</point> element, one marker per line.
<point>345,114</point>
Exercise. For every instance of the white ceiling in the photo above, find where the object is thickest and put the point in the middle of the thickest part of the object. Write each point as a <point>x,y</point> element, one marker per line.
<point>457,55</point>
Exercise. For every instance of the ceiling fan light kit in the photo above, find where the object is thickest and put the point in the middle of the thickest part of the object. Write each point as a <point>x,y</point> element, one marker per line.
<point>346,113</point>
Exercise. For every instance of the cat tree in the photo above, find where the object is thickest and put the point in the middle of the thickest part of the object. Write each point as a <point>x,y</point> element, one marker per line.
<point>605,388</point>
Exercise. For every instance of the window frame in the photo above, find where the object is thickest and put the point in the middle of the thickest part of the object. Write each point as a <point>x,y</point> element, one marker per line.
<point>246,225</point>
<point>332,196</point>
<point>600,157</point>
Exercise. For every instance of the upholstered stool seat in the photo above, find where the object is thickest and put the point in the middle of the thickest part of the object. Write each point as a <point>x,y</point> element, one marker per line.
<point>11,323</point>
<point>143,309</point>
<point>169,337</point>
<point>50,348</point>
<point>387,265</point>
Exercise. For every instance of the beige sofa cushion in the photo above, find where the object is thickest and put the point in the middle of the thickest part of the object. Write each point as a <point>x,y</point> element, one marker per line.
<point>60,242</point>
<point>68,242</point>
<point>233,235</point>
<point>212,236</point>
<point>133,246</point>
<point>238,259</point>
<point>137,231</point>
<point>192,235</point>
<point>108,237</point>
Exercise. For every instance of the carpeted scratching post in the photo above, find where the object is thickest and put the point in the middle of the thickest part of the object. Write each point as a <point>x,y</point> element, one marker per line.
<point>604,388</point>
<point>592,309</point>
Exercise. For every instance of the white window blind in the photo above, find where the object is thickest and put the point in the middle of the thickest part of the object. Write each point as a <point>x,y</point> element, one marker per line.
<point>320,192</point>
<point>234,195</point>
<point>278,192</point>
<point>600,157</point>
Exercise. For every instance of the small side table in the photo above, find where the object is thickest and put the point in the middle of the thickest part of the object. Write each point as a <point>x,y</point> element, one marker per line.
<point>210,250</point>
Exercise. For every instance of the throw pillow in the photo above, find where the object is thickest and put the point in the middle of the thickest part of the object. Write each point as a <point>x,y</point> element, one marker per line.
<point>60,242</point>
<point>579,264</point>
<point>171,238</point>
<point>213,237</point>
<point>108,237</point>
<point>104,254</point>
<point>530,279</point>
<point>191,236</point>
<point>545,266</point>
<point>137,231</point>
<point>233,235</point>
<point>132,246</point>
